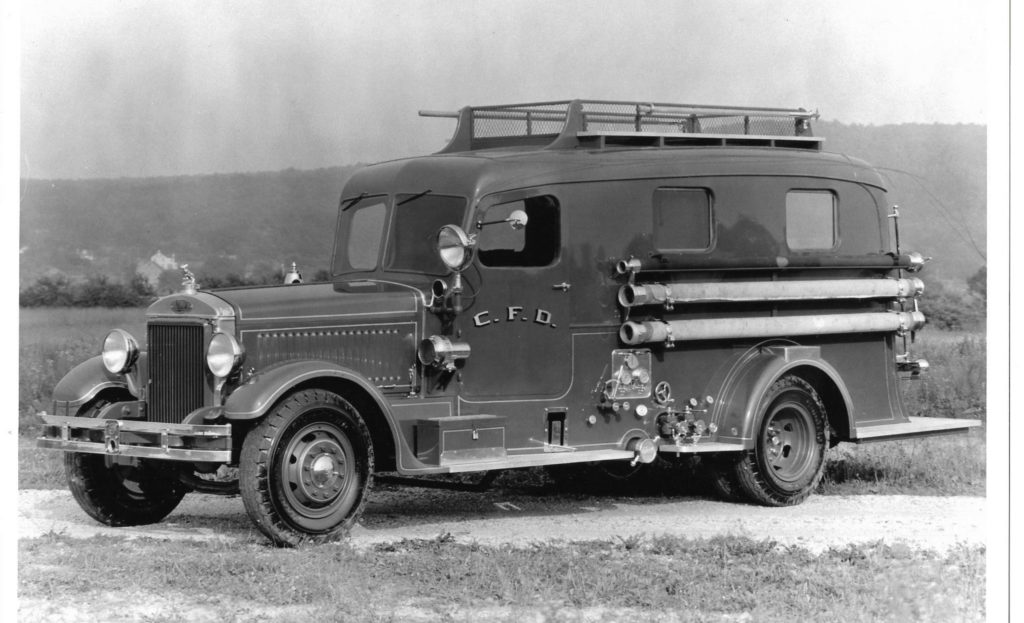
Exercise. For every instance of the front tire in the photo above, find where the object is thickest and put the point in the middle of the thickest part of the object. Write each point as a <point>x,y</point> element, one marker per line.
<point>120,491</point>
<point>306,469</point>
<point>788,459</point>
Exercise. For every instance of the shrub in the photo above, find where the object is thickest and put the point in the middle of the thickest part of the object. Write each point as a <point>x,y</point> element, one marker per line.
<point>95,291</point>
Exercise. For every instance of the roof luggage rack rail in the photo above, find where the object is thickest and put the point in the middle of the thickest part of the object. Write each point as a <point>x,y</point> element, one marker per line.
<point>599,124</point>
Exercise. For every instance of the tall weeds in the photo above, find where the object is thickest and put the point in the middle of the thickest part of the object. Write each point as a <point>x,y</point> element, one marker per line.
<point>955,384</point>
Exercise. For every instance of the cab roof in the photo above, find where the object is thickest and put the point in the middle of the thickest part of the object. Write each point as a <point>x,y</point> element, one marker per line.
<point>512,146</point>
<point>482,172</point>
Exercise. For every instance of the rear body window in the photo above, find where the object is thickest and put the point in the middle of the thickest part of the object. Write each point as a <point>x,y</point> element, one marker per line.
<point>810,220</point>
<point>682,219</point>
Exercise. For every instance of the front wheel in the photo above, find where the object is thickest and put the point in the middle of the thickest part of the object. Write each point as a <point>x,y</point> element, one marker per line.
<point>788,458</point>
<point>306,469</point>
<point>121,491</point>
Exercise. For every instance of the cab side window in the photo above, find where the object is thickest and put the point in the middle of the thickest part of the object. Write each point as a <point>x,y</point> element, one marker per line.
<point>536,244</point>
<point>810,220</point>
<point>682,219</point>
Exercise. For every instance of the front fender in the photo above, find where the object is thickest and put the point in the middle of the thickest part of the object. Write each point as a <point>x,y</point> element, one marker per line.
<point>739,414</point>
<point>83,383</point>
<point>252,400</point>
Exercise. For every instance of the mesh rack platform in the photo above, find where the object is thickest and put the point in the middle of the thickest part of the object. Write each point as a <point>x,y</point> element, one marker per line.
<point>596,124</point>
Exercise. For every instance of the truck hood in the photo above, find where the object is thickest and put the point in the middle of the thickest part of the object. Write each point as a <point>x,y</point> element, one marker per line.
<point>317,302</point>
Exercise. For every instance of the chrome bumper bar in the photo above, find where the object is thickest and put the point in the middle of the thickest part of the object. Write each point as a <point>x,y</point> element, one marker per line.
<point>128,438</point>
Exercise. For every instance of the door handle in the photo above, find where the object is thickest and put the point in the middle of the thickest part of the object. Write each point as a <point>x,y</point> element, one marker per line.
<point>564,287</point>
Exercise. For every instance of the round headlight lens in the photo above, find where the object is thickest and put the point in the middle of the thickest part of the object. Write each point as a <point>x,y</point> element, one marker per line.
<point>120,351</point>
<point>224,355</point>
<point>454,247</point>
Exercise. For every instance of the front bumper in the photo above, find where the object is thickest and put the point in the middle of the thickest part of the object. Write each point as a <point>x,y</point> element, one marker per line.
<point>129,438</point>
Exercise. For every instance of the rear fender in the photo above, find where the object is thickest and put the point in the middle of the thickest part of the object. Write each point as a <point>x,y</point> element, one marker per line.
<point>739,413</point>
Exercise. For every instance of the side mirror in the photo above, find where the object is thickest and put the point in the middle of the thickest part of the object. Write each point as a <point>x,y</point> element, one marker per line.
<point>517,219</point>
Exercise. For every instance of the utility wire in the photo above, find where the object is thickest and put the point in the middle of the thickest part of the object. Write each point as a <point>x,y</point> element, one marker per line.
<point>961,231</point>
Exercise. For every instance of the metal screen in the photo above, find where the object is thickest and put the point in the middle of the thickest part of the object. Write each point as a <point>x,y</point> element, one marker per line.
<point>525,120</point>
<point>177,371</point>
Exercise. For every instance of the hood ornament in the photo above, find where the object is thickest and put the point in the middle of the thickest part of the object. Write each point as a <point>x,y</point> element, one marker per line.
<point>188,281</point>
<point>293,276</point>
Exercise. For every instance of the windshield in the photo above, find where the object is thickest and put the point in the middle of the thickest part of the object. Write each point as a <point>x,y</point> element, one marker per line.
<point>407,242</point>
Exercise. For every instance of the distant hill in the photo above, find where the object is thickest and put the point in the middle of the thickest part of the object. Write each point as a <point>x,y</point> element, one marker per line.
<point>937,175</point>
<point>255,222</point>
<point>218,224</point>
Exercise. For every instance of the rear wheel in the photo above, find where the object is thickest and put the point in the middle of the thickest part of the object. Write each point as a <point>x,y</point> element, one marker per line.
<point>121,491</point>
<point>721,473</point>
<point>788,459</point>
<point>306,469</point>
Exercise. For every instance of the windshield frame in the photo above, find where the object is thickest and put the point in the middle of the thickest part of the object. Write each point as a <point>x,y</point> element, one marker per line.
<point>340,266</point>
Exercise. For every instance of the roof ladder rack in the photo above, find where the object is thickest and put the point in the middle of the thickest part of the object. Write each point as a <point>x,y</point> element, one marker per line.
<point>599,124</point>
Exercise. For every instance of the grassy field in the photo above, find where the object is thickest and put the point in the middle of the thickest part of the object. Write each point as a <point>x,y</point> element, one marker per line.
<point>55,340</point>
<point>722,579</point>
<point>52,341</point>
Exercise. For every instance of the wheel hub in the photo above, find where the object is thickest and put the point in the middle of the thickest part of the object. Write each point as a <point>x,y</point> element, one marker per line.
<point>322,470</point>
<point>316,469</point>
<point>789,442</point>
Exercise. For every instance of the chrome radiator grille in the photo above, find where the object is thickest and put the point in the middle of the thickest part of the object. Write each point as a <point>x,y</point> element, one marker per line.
<point>177,371</point>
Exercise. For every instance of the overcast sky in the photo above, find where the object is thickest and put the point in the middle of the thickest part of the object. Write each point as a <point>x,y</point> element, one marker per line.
<point>128,88</point>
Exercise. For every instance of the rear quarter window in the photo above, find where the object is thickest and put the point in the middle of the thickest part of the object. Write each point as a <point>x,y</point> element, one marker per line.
<point>810,220</point>
<point>682,219</point>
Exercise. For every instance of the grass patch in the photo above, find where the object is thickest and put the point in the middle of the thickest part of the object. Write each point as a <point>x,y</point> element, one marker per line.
<point>697,580</point>
<point>953,465</point>
<point>955,384</point>
<point>39,468</point>
<point>52,341</point>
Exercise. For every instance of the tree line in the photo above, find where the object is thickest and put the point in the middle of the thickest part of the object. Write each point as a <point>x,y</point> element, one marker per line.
<point>136,291</point>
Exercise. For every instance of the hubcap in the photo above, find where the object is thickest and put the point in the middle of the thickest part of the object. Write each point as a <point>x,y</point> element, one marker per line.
<point>316,470</point>
<point>789,441</point>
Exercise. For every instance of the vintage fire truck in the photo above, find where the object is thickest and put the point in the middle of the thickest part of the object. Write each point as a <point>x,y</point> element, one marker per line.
<point>579,282</point>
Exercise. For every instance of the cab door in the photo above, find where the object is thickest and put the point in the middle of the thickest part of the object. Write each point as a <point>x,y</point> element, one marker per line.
<point>516,301</point>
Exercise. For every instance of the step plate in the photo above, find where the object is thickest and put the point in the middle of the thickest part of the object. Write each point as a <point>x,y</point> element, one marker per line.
<point>916,427</point>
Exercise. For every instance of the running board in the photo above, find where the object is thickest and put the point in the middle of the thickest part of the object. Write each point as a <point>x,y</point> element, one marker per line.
<point>916,427</point>
<point>539,458</point>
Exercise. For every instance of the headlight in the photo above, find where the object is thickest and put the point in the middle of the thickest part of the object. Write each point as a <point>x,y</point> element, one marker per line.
<point>224,355</point>
<point>455,247</point>
<point>120,351</point>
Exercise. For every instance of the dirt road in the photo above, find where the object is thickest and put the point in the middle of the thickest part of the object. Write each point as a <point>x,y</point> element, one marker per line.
<point>515,517</point>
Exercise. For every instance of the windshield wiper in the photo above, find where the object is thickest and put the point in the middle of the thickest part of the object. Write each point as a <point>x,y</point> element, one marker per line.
<point>351,202</point>
<point>414,197</point>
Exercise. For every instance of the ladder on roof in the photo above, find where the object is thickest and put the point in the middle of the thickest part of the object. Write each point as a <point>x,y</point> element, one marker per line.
<point>597,124</point>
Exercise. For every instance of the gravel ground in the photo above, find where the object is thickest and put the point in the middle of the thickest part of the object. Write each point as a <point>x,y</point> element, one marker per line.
<point>501,516</point>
